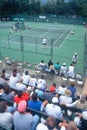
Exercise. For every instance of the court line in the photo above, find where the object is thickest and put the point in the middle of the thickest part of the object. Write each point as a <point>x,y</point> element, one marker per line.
<point>59,37</point>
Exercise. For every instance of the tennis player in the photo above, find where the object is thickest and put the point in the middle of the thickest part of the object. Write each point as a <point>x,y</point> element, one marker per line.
<point>44,42</point>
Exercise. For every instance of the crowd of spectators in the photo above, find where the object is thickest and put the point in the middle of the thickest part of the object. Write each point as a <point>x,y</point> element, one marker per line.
<point>26,91</point>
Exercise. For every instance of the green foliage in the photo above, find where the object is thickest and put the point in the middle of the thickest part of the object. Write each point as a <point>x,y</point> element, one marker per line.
<point>73,7</point>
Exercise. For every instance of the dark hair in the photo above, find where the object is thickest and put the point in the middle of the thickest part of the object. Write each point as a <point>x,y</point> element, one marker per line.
<point>51,122</point>
<point>42,61</point>
<point>54,84</point>
<point>42,76</point>
<point>3,106</point>
<point>19,93</point>
<point>3,75</point>
<point>34,96</point>
<point>6,89</point>
<point>26,72</point>
<point>15,70</point>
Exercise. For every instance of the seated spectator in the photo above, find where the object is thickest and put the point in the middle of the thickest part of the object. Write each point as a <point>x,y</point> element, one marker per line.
<point>65,99</point>
<point>52,109</point>
<point>53,87</point>
<point>20,85</point>
<point>80,103</point>
<point>42,66</point>
<point>34,102</point>
<point>52,69</point>
<point>26,78</point>
<point>2,80</point>
<point>42,82</point>
<point>61,89</point>
<point>6,118</point>
<point>21,96</point>
<point>70,72</point>
<point>6,94</point>
<point>49,124</point>
<point>13,79</point>
<point>33,81</point>
<point>72,88</point>
<point>57,67</point>
<point>50,63</point>
<point>23,120</point>
<point>63,70</point>
<point>49,95</point>
<point>81,120</point>
<point>39,91</point>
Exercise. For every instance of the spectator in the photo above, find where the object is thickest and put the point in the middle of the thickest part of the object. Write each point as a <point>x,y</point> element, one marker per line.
<point>52,69</point>
<point>70,72</point>
<point>50,63</point>
<point>53,87</point>
<point>72,88</point>
<point>63,70</point>
<point>34,102</point>
<point>13,79</point>
<point>75,58</point>
<point>21,96</point>
<point>61,89</point>
<point>57,67</point>
<point>6,118</point>
<point>50,124</point>
<point>39,91</point>
<point>33,81</point>
<point>52,109</point>
<point>20,85</point>
<point>2,80</point>
<point>65,99</point>
<point>81,120</point>
<point>42,82</point>
<point>26,78</point>
<point>6,94</point>
<point>42,66</point>
<point>23,120</point>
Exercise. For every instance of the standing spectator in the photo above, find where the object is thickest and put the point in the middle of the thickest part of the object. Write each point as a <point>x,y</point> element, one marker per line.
<point>75,58</point>
<point>63,70</point>
<point>6,118</point>
<point>26,78</point>
<point>23,120</point>
<point>2,81</point>
<point>72,88</point>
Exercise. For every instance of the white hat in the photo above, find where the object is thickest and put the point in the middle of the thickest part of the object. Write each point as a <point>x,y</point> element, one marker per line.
<point>75,53</point>
<point>54,100</point>
<point>64,64</point>
<point>84,115</point>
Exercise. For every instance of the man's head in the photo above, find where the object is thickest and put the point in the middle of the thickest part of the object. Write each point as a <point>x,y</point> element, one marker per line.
<point>3,107</point>
<point>51,122</point>
<point>34,96</point>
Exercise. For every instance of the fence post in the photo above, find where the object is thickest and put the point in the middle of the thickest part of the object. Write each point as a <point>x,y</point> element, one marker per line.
<point>22,46</point>
<point>51,53</point>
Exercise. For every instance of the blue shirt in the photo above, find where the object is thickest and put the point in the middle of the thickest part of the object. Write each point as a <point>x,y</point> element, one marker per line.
<point>73,90</point>
<point>36,105</point>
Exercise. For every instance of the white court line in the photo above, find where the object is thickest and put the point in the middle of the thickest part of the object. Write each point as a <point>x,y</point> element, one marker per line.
<point>59,37</point>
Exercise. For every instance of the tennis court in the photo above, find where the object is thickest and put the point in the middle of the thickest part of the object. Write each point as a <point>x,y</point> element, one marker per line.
<point>61,43</point>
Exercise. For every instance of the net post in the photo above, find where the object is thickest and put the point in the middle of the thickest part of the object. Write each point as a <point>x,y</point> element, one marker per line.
<point>85,51</point>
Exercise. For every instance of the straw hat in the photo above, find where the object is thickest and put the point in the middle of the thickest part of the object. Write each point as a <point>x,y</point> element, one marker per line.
<point>67,92</point>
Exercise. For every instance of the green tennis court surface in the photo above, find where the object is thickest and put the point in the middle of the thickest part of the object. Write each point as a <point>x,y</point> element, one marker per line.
<point>61,43</point>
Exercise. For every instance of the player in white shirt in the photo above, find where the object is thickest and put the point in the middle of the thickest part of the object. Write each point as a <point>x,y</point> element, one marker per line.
<point>44,42</point>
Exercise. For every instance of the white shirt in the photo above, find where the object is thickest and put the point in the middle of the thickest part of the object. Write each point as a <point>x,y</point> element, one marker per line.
<point>65,99</point>
<point>26,79</point>
<point>42,83</point>
<point>54,110</point>
<point>63,70</point>
<point>32,82</point>
<point>41,126</point>
<point>74,58</point>
<point>61,90</point>
<point>13,81</point>
<point>20,86</point>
